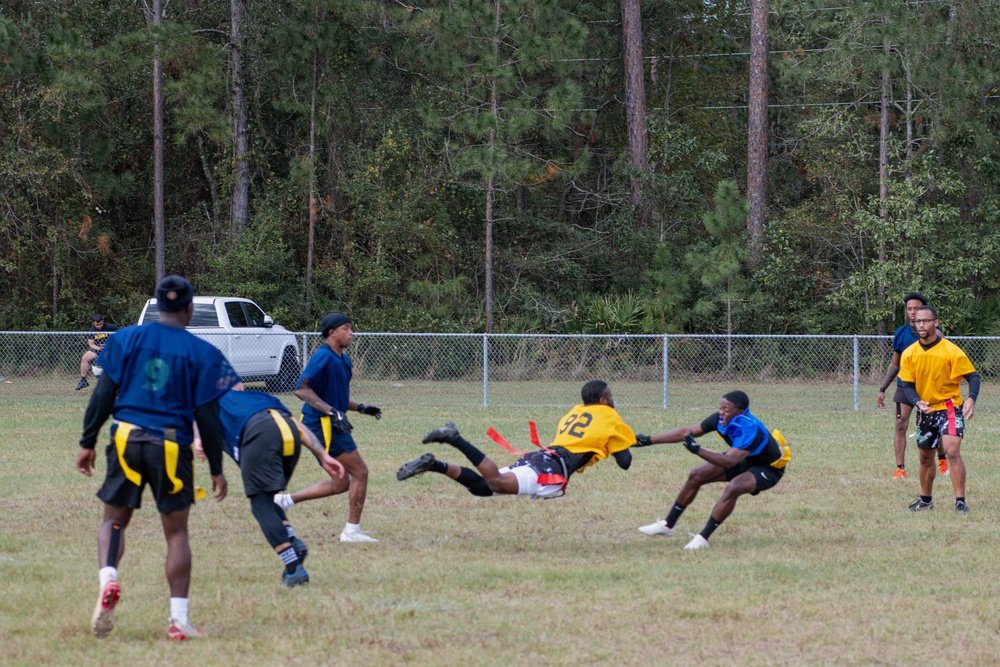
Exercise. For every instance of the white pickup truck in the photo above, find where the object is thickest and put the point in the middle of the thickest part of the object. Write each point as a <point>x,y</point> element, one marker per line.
<point>258,349</point>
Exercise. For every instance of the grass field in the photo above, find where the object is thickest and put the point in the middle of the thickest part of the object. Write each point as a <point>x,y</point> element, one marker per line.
<point>825,569</point>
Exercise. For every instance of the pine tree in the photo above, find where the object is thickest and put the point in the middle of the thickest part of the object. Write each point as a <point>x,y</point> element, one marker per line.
<point>505,98</point>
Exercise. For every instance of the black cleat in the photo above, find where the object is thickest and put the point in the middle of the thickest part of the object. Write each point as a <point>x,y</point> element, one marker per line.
<point>82,383</point>
<point>920,506</point>
<point>961,507</point>
<point>415,467</point>
<point>444,434</point>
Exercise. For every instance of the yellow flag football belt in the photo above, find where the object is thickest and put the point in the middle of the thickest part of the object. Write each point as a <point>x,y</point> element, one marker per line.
<point>171,453</point>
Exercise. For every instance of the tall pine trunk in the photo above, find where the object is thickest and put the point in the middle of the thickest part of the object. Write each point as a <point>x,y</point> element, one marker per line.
<point>241,168</point>
<point>757,125</point>
<point>312,178</point>
<point>883,161</point>
<point>635,97</point>
<point>159,231</point>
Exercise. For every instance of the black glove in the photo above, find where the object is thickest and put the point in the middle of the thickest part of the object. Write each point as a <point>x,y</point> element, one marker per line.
<point>339,423</point>
<point>642,440</point>
<point>691,445</point>
<point>370,410</point>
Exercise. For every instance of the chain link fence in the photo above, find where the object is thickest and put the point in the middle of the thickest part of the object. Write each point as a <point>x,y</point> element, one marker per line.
<point>669,371</point>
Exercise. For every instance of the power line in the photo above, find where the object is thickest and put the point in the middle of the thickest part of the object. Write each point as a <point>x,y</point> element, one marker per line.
<point>822,104</point>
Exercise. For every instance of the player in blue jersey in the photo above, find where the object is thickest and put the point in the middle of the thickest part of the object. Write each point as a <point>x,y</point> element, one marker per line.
<point>261,436</point>
<point>755,462</point>
<point>158,380</point>
<point>325,387</point>
<point>905,336</point>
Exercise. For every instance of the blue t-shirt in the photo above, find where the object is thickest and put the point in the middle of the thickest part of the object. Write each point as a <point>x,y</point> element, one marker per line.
<point>163,373</point>
<point>744,431</point>
<point>235,410</point>
<point>329,375</point>
<point>904,337</point>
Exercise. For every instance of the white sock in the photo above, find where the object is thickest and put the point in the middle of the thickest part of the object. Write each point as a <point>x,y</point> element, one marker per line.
<point>107,574</point>
<point>352,527</point>
<point>179,609</point>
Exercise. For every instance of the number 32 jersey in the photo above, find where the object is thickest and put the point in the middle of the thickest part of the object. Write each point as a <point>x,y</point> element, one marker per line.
<point>597,429</point>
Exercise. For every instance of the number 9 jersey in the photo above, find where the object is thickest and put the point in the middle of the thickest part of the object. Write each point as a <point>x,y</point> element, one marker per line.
<point>595,428</point>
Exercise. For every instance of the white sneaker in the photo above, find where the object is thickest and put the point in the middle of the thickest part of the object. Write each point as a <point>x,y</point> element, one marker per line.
<point>356,536</point>
<point>283,500</point>
<point>658,527</point>
<point>697,542</point>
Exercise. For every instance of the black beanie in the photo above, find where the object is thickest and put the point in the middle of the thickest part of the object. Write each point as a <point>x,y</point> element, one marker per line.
<point>332,321</point>
<point>173,294</point>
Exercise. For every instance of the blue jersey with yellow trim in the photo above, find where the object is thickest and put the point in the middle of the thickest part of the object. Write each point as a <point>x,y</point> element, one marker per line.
<point>163,373</point>
<point>329,375</point>
<point>235,410</point>
<point>744,431</point>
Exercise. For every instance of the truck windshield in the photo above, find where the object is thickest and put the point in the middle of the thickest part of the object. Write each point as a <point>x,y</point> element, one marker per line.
<point>204,315</point>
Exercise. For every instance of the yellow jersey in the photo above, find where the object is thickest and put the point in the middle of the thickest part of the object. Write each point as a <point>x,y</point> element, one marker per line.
<point>595,428</point>
<point>936,372</point>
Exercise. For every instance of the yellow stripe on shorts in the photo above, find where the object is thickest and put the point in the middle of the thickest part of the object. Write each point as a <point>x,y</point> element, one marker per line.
<point>121,439</point>
<point>286,433</point>
<point>171,451</point>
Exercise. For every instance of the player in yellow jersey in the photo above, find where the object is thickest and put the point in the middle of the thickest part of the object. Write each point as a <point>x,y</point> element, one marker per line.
<point>586,434</point>
<point>931,371</point>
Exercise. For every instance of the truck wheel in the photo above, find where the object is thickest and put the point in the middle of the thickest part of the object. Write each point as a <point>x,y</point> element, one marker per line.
<point>288,374</point>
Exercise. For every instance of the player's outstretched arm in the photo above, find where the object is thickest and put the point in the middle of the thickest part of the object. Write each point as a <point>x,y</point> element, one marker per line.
<point>676,435</point>
<point>370,410</point>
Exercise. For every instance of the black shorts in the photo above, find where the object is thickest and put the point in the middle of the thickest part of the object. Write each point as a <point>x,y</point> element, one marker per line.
<point>766,476</point>
<point>900,398</point>
<point>135,459</point>
<point>269,452</point>
<point>938,423</point>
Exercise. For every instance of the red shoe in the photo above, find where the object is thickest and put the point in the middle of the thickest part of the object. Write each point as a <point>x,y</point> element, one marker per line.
<point>943,466</point>
<point>899,474</point>
<point>103,620</point>
<point>181,631</point>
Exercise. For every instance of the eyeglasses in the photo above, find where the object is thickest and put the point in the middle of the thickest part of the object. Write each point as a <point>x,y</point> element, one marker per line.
<point>923,321</point>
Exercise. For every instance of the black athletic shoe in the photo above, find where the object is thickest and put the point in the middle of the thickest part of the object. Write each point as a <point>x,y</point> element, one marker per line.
<point>444,434</point>
<point>961,507</point>
<point>920,505</point>
<point>82,383</point>
<point>415,467</point>
<point>301,550</point>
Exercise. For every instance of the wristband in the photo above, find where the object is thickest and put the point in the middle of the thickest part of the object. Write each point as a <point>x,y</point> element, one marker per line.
<point>883,389</point>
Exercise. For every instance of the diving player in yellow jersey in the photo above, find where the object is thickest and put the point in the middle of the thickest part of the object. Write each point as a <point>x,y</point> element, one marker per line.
<point>586,434</point>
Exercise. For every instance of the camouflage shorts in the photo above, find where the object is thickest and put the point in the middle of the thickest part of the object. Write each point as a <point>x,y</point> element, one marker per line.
<point>936,424</point>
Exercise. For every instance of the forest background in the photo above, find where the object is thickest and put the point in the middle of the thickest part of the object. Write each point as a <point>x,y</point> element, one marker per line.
<point>471,165</point>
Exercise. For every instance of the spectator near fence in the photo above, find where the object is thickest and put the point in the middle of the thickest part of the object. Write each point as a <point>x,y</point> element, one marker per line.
<point>99,332</point>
